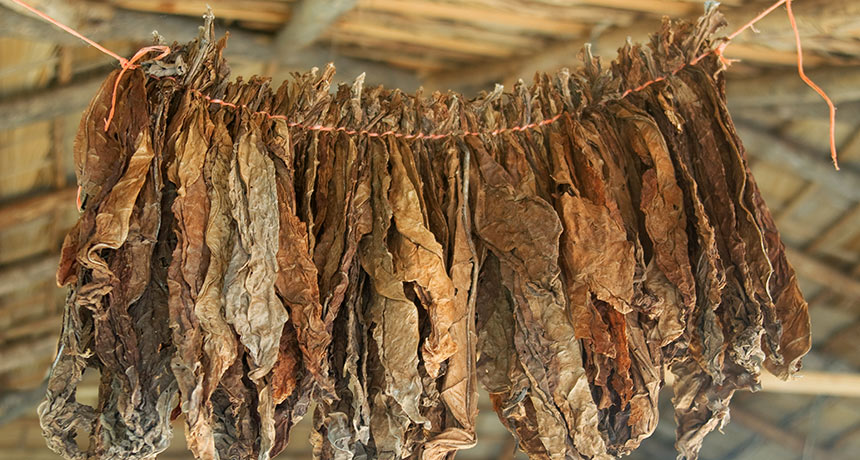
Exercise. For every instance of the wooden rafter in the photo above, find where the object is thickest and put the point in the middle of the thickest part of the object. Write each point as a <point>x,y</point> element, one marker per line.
<point>19,311</point>
<point>824,274</point>
<point>58,130</point>
<point>796,200</point>
<point>774,433</point>
<point>815,16</point>
<point>518,18</point>
<point>246,10</point>
<point>27,353</point>
<point>808,383</point>
<point>550,58</point>
<point>308,21</point>
<point>134,25</point>
<point>49,103</point>
<point>811,165</point>
<point>844,342</point>
<point>31,208</point>
<point>397,34</point>
<point>14,404</point>
<point>772,88</point>
<point>14,277</point>
<point>843,223</point>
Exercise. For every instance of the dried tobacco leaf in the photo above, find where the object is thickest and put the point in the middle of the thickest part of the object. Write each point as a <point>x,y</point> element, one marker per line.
<point>188,269</point>
<point>253,265</point>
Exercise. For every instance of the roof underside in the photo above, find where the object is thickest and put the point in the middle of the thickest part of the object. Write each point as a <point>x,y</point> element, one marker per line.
<point>47,78</point>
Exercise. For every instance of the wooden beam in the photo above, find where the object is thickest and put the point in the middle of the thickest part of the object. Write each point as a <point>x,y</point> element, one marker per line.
<point>246,10</point>
<point>658,7</point>
<point>134,25</point>
<point>41,303</point>
<point>58,129</point>
<point>822,273</point>
<point>851,146</point>
<point>345,43</point>
<point>49,103</point>
<point>807,383</point>
<point>28,209</point>
<point>846,437</point>
<point>792,441</point>
<point>552,57</point>
<point>519,18</point>
<point>760,53</point>
<point>16,403</point>
<point>843,224</point>
<point>847,111</point>
<point>795,202</point>
<point>420,62</point>
<point>48,325</point>
<point>836,16</point>
<point>815,19</point>
<point>118,24</point>
<point>20,275</point>
<point>453,35</point>
<point>65,99</point>
<point>766,429</point>
<point>69,13</point>
<point>310,19</point>
<point>24,354</point>
<point>431,41</point>
<point>811,165</point>
<point>781,88</point>
<point>844,343</point>
<point>844,385</point>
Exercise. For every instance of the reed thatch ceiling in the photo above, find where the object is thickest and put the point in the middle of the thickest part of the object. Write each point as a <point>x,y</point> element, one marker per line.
<point>48,76</point>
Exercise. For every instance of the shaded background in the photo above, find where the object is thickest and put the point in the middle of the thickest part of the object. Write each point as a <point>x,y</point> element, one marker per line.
<point>47,77</point>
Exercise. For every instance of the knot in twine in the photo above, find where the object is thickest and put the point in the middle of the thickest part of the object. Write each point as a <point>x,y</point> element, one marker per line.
<point>127,64</point>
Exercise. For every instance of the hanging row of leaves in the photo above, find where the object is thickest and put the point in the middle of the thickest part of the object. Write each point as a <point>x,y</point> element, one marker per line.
<point>232,269</point>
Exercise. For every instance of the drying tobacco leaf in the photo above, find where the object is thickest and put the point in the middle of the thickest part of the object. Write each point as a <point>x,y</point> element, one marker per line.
<point>565,244</point>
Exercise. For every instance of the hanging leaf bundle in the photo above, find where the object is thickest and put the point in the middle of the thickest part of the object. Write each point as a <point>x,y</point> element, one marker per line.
<point>381,255</point>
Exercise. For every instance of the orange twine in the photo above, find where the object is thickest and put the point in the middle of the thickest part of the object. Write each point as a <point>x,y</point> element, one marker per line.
<point>718,51</point>
<point>812,85</point>
<point>71,31</point>
<point>130,64</point>
<point>364,132</point>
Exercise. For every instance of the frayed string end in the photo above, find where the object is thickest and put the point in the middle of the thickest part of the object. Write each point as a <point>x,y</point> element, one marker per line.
<point>811,84</point>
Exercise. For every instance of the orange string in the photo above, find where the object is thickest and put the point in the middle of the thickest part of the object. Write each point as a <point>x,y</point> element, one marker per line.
<point>718,51</point>
<point>812,85</point>
<point>78,202</point>
<point>130,64</point>
<point>71,31</point>
<point>123,62</point>
<point>364,132</point>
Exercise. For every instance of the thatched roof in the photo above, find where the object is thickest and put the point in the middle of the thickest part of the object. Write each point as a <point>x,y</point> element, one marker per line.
<point>47,77</point>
